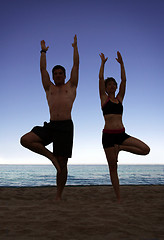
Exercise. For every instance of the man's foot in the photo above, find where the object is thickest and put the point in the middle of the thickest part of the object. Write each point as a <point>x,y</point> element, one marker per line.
<point>118,200</point>
<point>58,197</point>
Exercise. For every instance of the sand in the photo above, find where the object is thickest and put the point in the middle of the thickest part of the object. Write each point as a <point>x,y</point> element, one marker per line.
<point>85,213</point>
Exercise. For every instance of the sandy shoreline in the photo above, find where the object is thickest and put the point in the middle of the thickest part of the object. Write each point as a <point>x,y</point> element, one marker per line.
<point>86,212</point>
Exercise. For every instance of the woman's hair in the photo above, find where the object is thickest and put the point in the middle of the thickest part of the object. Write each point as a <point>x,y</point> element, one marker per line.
<point>58,67</point>
<point>110,79</point>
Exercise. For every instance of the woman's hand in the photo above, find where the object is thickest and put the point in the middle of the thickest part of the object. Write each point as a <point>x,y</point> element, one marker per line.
<point>119,58</point>
<point>103,59</point>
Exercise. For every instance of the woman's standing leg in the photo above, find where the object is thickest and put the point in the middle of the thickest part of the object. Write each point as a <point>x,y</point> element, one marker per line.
<point>112,162</point>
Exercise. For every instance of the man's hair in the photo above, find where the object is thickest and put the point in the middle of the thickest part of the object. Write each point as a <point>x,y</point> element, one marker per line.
<point>58,67</point>
<point>110,79</point>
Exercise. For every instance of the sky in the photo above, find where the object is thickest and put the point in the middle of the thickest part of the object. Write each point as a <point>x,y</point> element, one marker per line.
<point>135,28</point>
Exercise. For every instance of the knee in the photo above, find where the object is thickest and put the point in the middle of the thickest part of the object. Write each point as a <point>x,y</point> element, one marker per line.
<point>24,141</point>
<point>113,165</point>
<point>146,150</point>
<point>62,162</point>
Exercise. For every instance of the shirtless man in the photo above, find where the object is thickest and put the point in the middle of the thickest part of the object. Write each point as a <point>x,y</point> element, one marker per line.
<point>60,98</point>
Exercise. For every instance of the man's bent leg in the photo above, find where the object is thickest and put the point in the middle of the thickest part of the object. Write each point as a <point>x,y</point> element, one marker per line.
<point>35,144</point>
<point>62,176</point>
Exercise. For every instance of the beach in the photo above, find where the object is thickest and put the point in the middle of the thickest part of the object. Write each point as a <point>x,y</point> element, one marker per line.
<point>86,212</point>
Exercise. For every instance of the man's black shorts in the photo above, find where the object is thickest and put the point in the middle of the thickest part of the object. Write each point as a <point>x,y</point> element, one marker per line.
<point>58,132</point>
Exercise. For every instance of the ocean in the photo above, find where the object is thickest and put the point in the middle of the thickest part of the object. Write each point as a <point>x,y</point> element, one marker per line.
<point>80,175</point>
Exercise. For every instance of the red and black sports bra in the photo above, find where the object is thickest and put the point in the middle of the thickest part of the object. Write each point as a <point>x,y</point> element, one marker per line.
<point>110,107</point>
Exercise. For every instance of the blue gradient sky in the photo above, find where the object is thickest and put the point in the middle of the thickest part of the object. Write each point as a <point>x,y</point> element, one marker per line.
<point>135,28</point>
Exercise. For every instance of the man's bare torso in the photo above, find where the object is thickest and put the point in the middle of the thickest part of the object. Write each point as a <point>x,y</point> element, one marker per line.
<point>60,101</point>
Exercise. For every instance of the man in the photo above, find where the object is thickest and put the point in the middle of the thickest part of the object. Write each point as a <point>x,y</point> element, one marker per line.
<point>60,98</point>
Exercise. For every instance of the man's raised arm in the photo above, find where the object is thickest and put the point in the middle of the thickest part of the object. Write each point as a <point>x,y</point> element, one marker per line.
<point>45,76</point>
<point>75,68</point>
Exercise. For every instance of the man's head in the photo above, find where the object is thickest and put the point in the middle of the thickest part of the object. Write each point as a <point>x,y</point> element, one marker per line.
<point>59,74</point>
<point>110,85</point>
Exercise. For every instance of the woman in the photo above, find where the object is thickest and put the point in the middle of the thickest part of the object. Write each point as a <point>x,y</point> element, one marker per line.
<point>114,138</point>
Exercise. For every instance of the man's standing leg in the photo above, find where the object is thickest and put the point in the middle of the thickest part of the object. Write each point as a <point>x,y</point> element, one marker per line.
<point>62,150</point>
<point>61,177</point>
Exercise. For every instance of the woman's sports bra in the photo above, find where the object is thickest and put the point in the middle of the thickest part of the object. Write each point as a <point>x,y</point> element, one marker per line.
<point>110,107</point>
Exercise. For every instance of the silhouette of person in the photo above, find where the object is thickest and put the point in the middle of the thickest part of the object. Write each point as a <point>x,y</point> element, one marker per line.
<point>59,131</point>
<point>114,137</point>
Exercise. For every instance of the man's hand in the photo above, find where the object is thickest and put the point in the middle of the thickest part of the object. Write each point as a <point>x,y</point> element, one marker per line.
<point>43,46</point>
<point>119,58</point>
<point>103,59</point>
<point>75,69</point>
<point>75,41</point>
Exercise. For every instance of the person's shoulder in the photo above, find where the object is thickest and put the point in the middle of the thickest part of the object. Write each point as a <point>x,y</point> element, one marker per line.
<point>104,98</point>
<point>119,98</point>
<point>70,84</point>
<point>52,85</point>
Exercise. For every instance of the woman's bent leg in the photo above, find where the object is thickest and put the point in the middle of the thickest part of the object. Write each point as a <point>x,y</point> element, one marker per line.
<point>135,146</point>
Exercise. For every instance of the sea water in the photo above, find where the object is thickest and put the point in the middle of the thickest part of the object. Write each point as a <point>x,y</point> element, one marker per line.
<point>45,175</point>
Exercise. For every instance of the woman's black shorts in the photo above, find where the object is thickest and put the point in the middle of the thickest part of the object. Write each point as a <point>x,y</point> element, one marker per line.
<point>113,137</point>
